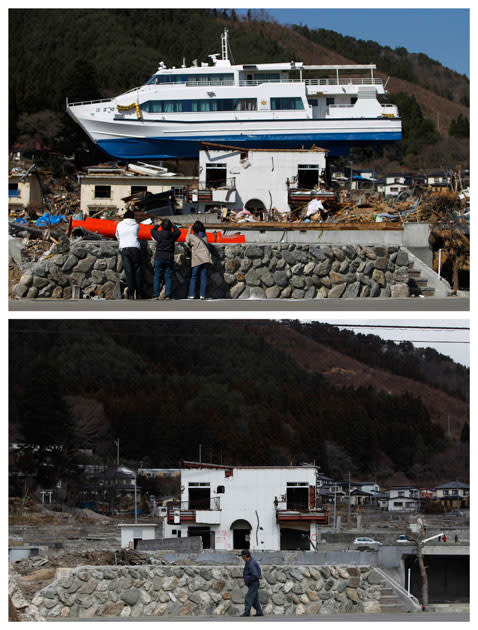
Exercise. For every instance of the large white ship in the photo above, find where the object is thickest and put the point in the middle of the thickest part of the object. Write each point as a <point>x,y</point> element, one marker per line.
<point>278,105</point>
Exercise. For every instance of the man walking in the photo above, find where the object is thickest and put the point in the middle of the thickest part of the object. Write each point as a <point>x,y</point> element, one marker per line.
<point>251,574</point>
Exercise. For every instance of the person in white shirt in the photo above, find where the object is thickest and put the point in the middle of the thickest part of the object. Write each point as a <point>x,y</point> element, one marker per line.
<point>127,235</point>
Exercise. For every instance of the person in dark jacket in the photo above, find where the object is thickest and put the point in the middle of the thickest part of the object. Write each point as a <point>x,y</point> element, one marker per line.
<point>252,575</point>
<point>164,257</point>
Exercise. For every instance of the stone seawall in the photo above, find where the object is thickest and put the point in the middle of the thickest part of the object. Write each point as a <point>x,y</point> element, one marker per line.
<point>296,271</point>
<point>126,591</point>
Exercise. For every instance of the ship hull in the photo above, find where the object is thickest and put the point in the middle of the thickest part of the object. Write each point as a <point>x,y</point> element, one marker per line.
<point>188,147</point>
<point>178,138</point>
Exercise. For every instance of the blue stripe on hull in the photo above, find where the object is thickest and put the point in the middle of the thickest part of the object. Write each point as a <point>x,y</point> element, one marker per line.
<point>181,147</point>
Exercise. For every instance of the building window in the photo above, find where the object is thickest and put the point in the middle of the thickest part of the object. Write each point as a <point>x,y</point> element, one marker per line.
<point>216,175</point>
<point>293,102</point>
<point>102,192</point>
<point>179,192</point>
<point>13,190</point>
<point>138,189</point>
<point>307,175</point>
<point>445,493</point>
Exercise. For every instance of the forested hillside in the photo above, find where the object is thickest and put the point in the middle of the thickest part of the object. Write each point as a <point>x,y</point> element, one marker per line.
<point>90,53</point>
<point>166,387</point>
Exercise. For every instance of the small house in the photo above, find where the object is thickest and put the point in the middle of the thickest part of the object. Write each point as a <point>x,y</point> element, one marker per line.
<point>247,507</point>
<point>258,180</point>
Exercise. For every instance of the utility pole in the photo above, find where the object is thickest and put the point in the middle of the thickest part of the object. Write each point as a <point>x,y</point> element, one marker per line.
<point>335,506</point>
<point>117,442</point>
<point>135,504</point>
<point>348,506</point>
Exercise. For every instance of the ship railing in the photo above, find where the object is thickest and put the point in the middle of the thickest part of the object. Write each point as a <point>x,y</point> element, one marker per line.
<point>101,100</point>
<point>315,82</point>
<point>212,83</point>
<point>337,105</point>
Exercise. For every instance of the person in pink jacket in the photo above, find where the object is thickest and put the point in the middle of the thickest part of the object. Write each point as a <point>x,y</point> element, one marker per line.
<point>200,259</point>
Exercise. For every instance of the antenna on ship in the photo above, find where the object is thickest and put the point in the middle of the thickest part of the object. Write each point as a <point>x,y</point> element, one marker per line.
<point>225,47</point>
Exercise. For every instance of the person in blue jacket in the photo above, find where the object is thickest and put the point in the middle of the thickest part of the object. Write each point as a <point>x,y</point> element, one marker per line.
<point>252,575</point>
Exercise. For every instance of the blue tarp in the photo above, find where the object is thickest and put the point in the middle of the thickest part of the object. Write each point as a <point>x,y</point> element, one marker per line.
<point>49,219</point>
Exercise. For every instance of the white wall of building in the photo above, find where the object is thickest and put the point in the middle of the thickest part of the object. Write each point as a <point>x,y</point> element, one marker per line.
<point>261,175</point>
<point>130,531</point>
<point>248,495</point>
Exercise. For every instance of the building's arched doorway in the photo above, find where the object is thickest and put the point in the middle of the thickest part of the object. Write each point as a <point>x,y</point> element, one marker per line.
<point>241,534</point>
<point>255,206</point>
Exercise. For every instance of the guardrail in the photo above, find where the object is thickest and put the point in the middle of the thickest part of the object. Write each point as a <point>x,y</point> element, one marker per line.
<point>404,595</point>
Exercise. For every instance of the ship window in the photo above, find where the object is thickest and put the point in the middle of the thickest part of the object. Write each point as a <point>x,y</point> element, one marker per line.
<point>210,79</point>
<point>330,101</point>
<point>223,105</point>
<point>161,107</point>
<point>267,76</point>
<point>293,102</point>
<point>102,192</point>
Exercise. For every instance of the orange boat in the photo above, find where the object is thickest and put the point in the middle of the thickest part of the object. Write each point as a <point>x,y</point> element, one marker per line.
<point>107,228</point>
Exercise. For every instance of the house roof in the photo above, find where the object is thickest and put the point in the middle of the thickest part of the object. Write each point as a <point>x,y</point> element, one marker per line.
<point>227,147</point>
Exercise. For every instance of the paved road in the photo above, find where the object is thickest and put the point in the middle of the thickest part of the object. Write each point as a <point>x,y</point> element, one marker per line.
<point>381,618</point>
<point>275,306</point>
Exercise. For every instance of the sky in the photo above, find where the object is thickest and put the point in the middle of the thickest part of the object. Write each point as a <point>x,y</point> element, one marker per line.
<point>442,34</point>
<point>449,337</point>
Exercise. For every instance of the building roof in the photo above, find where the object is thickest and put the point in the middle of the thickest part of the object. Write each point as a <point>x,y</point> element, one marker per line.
<point>227,147</point>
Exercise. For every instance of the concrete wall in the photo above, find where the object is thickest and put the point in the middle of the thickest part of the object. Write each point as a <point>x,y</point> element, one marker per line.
<point>125,591</point>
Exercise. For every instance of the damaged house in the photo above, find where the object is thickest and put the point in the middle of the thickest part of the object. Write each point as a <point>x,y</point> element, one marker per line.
<point>245,507</point>
<point>260,181</point>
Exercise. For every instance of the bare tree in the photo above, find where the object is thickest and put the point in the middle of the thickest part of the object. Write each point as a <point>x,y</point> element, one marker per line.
<point>419,539</point>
